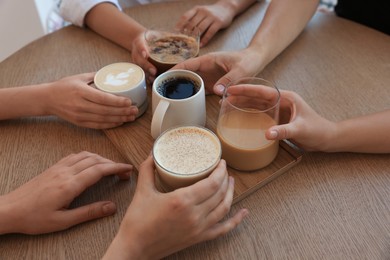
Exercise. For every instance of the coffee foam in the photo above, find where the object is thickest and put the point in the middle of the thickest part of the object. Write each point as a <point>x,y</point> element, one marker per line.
<point>187,150</point>
<point>119,77</point>
<point>173,49</point>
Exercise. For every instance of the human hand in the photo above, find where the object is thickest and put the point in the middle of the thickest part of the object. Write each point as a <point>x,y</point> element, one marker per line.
<point>218,69</point>
<point>209,19</point>
<point>72,99</point>
<point>140,55</point>
<point>159,224</point>
<point>298,122</point>
<point>42,204</point>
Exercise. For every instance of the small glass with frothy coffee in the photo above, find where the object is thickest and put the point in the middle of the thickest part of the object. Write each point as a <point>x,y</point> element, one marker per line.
<point>168,47</point>
<point>250,106</point>
<point>184,155</point>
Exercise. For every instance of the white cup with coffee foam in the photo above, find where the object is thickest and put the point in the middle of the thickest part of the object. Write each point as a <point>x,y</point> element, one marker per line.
<point>184,155</point>
<point>178,98</point>
<point>124,79</point>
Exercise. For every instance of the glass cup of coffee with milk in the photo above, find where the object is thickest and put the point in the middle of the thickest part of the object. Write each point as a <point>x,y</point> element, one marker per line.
<point>168,47</point>
<point>124,79</point>
<point>184,155</point>
<point>249,107</point>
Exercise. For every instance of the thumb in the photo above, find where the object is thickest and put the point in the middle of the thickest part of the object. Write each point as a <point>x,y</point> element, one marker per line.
<point>221,84</point>
<point>88,212</point>
<point>146,173</point>
<point>87,77</point>
<point>279,132</point>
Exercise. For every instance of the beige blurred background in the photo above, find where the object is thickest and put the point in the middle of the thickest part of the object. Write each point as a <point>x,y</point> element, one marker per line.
<point>22,21</point>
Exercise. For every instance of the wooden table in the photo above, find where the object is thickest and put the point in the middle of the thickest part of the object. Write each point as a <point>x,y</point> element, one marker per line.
<point>329,206</point>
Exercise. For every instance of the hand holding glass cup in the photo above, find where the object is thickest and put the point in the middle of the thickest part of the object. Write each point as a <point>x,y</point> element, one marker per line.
<point>249,107</point>
<point>168,47</point>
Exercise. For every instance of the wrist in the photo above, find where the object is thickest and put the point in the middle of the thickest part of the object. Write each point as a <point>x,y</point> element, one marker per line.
<point>236,6</point>
<point>231,7</point>
<point>46,97</point>
<point>332,138</point>
<point>255,63</point>
<point>122,247</point>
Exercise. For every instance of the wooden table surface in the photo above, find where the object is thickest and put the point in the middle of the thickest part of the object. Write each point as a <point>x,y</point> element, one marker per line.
<point>329,206</point>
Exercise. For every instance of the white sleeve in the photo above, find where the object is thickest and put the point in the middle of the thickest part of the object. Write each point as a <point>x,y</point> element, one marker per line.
<point>74,11</point>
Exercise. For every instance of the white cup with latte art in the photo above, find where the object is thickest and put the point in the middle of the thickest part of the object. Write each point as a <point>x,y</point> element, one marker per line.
<point>124,79</point>
<point>184,155</point>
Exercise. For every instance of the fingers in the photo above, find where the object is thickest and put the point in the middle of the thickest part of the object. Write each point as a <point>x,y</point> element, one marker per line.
<point>209,29</point>
<point>192,64</point>
<point>222,193</point>
<point>224,204</point>
<point>103,114</point>
<point>206,188</point>
<point>88,168</point>
<point>257,91</point>
<point>223,228</point>
<point>221,84</point>
<point>107,99</point>
<point>85,78</point>
<point>98,170</point>
<point>140,57</point>
<point>193,18</point>
<point>183,21</point>
<point>86,160</point>
<point>72,159</point>
<point>95,125</point>
<point>280,132</point>
<point>217,229</point>
<point>146,174</point>
<point>85,213</point>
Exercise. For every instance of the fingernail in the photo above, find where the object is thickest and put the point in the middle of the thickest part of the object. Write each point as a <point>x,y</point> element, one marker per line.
<point>128,102</point>
<point>127,174</point>
<point>223,162</point>
<point>273,134</point>
<point>134,110</point>
<point>144,54</point>
<point>109,208</point>
<point>152,71</point>
<point>219,89</point>
<point>231,181</point>
<point>151,79</point>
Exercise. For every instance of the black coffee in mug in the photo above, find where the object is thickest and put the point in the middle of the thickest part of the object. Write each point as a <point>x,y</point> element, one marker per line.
<point>178,88</point>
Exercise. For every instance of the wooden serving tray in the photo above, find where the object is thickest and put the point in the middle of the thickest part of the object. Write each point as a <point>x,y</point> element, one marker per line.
<point>134,142</point>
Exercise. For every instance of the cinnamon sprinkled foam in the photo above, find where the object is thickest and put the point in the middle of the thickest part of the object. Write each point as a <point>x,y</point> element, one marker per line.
<point>187,150</point>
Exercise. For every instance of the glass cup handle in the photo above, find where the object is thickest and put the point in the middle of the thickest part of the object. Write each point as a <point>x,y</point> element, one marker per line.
<point>158,118</point>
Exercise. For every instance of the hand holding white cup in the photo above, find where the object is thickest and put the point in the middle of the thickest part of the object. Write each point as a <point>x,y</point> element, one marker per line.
<point>124,79</point>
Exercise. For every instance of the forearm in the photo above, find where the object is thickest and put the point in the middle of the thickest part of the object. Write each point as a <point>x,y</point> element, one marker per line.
<point>282,23</point>
<point>108,21</point>
<point>367,134</point>
<point>7,221</point>
<point>23,101</point>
